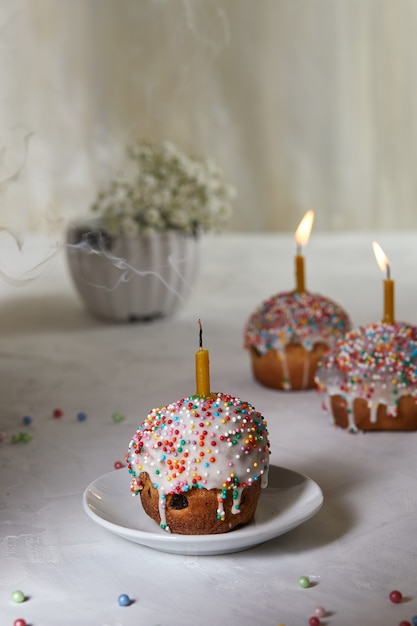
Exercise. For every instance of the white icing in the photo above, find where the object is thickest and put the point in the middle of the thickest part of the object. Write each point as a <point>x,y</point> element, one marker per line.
<point>295,317</point>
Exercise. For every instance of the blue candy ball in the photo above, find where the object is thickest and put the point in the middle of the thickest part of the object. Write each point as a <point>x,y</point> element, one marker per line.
<point>414,620</point>
<point>81,417</point>
<point>124,599</point>
<point>27,420</point>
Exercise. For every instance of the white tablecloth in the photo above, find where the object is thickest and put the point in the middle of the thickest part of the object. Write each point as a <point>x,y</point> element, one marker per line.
<point>361,544</point>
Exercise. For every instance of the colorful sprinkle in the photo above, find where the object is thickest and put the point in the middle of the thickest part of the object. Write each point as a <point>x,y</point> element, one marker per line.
<point>292,317</point>
<point>123,599</point>
<point>304,582</point>
<point>17,596</point>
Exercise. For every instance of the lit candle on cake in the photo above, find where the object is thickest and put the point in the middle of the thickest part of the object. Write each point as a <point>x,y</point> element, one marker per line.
<point>302,235</point>
<point>384,266</point>
<point>202,367</point>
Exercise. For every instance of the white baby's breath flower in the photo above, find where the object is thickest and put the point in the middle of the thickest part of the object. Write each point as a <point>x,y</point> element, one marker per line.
<point>129,226</point>
<point>152,216</point>
<point>165,189</point>
<point>179,218</point>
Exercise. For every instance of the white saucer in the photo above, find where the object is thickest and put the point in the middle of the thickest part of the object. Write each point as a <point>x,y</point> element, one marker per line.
<point>288,501</point>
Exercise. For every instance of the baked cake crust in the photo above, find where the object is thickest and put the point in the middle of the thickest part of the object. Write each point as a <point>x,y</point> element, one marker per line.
<point>295,371</point>
<point>405,418</point>
<point>195,513</point>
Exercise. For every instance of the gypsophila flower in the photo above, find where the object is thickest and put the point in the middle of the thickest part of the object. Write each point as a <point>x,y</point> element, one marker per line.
<point>167,190</point>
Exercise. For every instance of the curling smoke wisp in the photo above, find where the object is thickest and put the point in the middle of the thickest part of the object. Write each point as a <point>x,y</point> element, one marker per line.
<point>128,269</point>
<point>17,265</point>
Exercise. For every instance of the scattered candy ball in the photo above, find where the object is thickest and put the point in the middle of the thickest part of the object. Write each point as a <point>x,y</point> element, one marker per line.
<point>414,620</point>
<point>19,622</point>
<point>123,599</point>
<point>118,465</point>
<point>117,417</point>
<point>3,437</point>
<point>21,437</point>
<point>81,416</point>
<point>27,420</point>
<point>314,621</point>
<point>304,582</point>
<point>320,611</point>
<point>396,596</point>
<point>17,596</point>
<point>58,413</point>
<point>404,623</point>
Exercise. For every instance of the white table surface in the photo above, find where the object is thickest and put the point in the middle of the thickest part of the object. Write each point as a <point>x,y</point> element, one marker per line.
<point>361,544</point>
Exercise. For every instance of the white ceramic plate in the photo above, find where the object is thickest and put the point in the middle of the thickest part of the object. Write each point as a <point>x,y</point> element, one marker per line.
<point>288,501</point>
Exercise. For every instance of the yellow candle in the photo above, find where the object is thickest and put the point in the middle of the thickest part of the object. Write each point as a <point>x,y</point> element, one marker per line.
<point>202,368</point>
<point>388,301</point>
<point>299,273</point>
<point>384,266</point>
<point>302,235</point>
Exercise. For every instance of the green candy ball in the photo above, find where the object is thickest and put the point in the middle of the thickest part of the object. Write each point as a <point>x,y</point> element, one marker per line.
<point>17,596</point>
<point>304,582</point>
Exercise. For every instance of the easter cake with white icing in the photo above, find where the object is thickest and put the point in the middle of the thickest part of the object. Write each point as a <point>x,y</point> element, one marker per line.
<point>287,336</point>
<point>199,464</point>
<point>369,380</point>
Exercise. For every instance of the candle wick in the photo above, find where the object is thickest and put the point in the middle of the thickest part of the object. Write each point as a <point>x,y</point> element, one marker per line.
<point>388,271</point>
<point>201,333</point>
<point>299,249</point>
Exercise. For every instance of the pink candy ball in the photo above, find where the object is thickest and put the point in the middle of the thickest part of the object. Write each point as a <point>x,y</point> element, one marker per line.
<point>320,611</point>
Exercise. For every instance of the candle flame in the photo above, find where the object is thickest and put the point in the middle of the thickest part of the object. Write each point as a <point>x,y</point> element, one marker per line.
<point>381,258</point>
<point>302,234</point>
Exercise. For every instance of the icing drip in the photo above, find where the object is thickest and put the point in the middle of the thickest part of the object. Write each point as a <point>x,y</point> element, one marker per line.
<point>375,362</point>
<point>286,384</point>
<point>219,442</point>
<point>292,317</point>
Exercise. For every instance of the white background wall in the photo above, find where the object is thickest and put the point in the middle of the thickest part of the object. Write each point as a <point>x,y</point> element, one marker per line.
<point>306,104</point>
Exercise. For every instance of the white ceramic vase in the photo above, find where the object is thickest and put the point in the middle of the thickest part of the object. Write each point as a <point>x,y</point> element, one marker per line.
<point>131,278</point>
